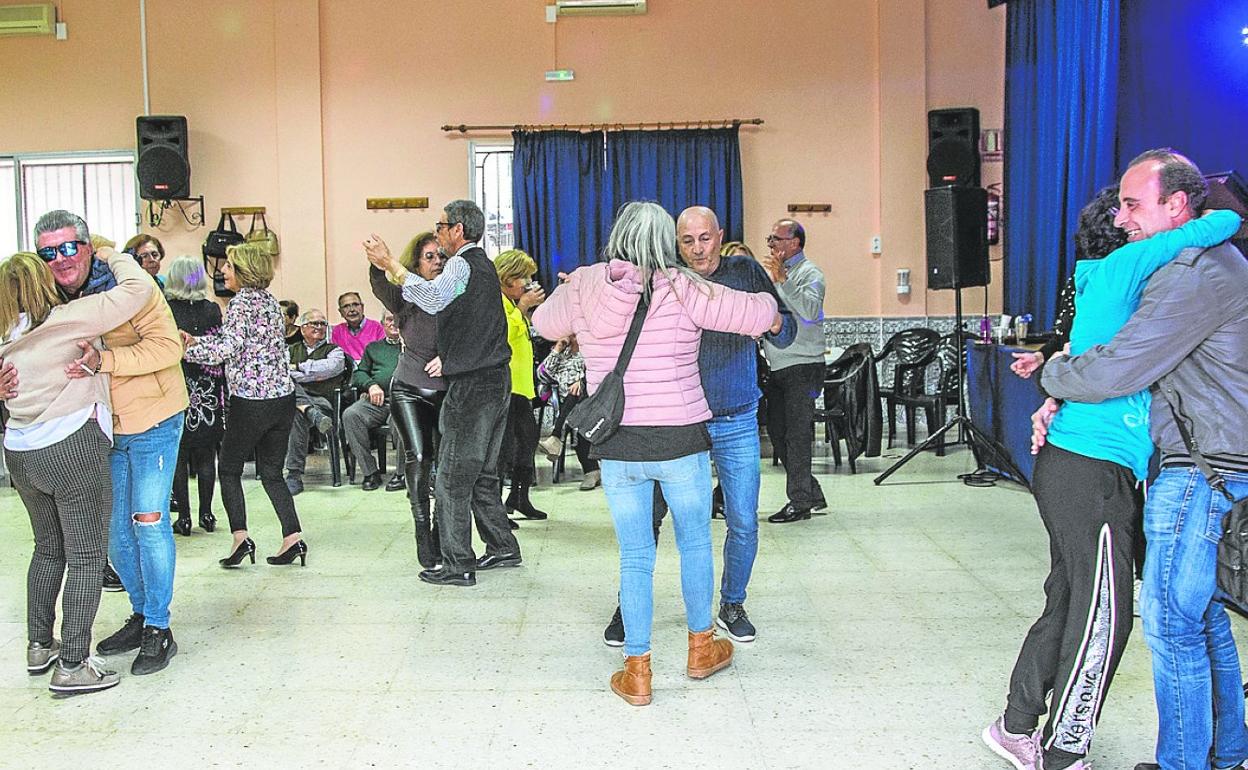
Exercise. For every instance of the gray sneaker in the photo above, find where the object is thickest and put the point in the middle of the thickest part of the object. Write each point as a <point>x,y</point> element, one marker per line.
<point>320,421</point>
<point>88,676</point>
<point>735,622</point>
<point>40,656</point>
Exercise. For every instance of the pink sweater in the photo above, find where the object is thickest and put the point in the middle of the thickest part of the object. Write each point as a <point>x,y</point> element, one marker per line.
<point>662,385</point>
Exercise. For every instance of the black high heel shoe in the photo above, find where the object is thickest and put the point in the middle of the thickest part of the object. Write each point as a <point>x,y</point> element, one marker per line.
<point>183,525</point>
<point>299,549</point>
<point>207,521</point>
<point>245,549</point>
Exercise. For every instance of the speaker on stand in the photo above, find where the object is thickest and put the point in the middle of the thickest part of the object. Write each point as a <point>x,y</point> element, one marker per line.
<point>957,257</point>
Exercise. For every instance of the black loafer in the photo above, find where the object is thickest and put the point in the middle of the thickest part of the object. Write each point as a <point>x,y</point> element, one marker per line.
<point>371,481</point>
<point>493,560</point>
<point>396,483</point>
<point>789,513</point>
<point>444,577</point>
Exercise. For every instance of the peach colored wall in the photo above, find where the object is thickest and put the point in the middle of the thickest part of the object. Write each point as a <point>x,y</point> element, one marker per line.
<point>309,107</point>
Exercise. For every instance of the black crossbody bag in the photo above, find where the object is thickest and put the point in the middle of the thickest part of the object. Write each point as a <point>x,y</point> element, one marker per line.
<point>1233,545</point>
<point>598,416</point>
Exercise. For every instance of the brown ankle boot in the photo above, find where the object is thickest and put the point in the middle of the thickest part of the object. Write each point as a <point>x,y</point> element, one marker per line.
<point>633,683</point>
<point>707,654</point>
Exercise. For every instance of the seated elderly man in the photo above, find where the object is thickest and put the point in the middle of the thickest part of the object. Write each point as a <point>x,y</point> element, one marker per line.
<point>356,332</point>
<point>372,409</point>
<point>318,368</point>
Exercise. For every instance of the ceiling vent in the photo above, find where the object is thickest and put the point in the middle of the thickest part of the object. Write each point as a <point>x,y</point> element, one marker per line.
<point>32,19</point>
<point>600,7</point>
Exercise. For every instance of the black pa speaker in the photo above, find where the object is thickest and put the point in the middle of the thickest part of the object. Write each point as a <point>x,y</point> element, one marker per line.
<point>957,237</point>
<point>163,168</point>
<point>953,147</point>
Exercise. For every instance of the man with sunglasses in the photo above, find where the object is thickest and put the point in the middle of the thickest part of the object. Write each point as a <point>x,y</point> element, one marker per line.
<point>474,355</point>
<point>796,370</point>
<point>318,367</point>
<point>148,395</point>
<point>355,332</point>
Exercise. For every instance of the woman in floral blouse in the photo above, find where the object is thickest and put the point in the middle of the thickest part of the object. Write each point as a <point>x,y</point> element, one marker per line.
<point>262,400</point>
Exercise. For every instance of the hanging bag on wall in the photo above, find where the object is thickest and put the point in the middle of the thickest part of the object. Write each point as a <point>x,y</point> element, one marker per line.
<point>598,416</point>
<point>1232,566</point>
<point>221,238</point>
<point>263,236</point>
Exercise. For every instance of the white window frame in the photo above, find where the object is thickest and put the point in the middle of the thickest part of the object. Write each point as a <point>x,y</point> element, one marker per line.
<point>492,245</point>
<point>21,160</point>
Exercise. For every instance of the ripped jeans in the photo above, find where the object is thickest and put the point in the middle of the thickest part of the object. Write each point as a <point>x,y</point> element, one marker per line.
<point>140,549</point>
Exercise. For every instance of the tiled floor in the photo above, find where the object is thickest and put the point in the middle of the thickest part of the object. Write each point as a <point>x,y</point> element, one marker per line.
<point>886,632</point>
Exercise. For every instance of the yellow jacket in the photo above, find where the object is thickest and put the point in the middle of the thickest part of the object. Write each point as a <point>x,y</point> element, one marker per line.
<point>521,350</point>
<point>144,357</point>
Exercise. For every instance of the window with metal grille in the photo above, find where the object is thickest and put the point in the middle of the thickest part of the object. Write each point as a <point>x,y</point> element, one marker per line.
<point>491,189</point>
<point>99,187</point>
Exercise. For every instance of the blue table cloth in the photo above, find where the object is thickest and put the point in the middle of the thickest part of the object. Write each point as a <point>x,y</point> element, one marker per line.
<point>1001,403</point>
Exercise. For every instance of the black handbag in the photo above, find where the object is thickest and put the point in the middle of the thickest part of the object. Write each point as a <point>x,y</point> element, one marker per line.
<point>1233,545</point>
<point>598,416</point>
<point>221,239</point>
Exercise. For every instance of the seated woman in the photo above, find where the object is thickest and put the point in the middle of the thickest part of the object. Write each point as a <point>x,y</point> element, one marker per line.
<point>564,370</point>
<point>662,437</point>
<point>56,447</point>
<point>417,388</point>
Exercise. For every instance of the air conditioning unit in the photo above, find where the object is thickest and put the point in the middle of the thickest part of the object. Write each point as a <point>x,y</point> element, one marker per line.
<point>32,19</point>
<point>600,7</point>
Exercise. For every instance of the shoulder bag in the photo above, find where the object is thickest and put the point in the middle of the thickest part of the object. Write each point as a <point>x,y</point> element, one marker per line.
<point>598,416</point>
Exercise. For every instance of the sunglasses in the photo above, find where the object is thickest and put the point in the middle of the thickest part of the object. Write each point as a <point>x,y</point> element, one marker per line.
<point>66,249</point>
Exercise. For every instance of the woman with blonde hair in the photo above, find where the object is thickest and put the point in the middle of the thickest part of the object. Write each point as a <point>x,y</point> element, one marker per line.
<point>662,436</point>
<point>56,446</point>
<point>735,249</point>
<point>186,289</point>
<point>262,400</point>
<point>521,294</point>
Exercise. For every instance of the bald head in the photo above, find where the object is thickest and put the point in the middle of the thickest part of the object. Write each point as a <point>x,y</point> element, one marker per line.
<point>699,237</point>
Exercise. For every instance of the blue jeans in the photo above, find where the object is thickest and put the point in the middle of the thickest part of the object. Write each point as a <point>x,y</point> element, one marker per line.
<point>1196,677</point>
<point>686,485</point>
<point>735,450</point>
<point>142,552</point>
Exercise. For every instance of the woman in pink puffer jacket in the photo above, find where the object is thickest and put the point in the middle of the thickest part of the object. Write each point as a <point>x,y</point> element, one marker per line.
<point>662,437</point>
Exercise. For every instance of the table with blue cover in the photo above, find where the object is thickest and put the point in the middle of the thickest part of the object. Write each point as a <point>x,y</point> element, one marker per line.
<point>1000,403</point>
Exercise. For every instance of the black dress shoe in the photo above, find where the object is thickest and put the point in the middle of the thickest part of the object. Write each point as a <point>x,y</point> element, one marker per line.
<point>513,524</point>
<point>788,514</point>
<point>444,577</point>
<point>492,560</point>
<point>372,481</point>
<point>396,483</point>
<point>1147,766</point>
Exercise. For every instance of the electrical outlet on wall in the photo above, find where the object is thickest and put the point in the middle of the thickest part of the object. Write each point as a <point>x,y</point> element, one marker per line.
<point>876,246</point>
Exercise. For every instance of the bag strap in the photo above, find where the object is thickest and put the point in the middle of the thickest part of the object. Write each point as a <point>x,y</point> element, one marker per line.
<point>1215,479</point>
<point>634,331</point>
<point>252,229</point>
<point>221,223</point>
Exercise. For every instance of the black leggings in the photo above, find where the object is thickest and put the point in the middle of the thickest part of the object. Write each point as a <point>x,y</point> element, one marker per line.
<point>519,441</point>
<point>204,460</point>
<point>263,427</point>
<point>414,412</point>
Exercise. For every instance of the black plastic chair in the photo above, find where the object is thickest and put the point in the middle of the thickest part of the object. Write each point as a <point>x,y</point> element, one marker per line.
<point>944,394</point>
<point>914,349</point>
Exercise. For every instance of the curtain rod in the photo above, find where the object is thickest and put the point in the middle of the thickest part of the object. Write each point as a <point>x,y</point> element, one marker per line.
<point>664,125</point>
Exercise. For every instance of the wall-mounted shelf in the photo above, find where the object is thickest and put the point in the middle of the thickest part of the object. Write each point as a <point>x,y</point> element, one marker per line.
<point>242,211</point>
<point>192,214</point>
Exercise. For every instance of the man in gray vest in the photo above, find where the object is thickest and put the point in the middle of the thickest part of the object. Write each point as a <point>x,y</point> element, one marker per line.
<point>474,356</point>
<point>1188,341</point>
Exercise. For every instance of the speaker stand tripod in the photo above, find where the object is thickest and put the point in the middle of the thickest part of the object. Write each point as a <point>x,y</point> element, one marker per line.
<point>982,445</point>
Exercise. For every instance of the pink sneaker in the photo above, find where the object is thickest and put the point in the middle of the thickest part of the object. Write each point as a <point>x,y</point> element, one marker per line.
<point>1021,751</point>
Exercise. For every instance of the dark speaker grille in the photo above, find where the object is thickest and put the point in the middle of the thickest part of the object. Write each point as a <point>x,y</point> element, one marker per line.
<point>957,239</point>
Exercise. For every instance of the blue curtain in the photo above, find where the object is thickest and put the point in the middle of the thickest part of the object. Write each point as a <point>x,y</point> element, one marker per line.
<point>1184,82</point>
<point>679,168</point>
<point>1061,95</point>
<point>557,184</point>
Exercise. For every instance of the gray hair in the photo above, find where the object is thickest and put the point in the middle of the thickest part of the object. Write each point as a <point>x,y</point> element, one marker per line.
<point>645,234</point>
<point>58,219</point>
<point>186,280</point>
<point>1177,174</point>
<point>795,230</point>
<point>468,214</point>
<point>306,316</point>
